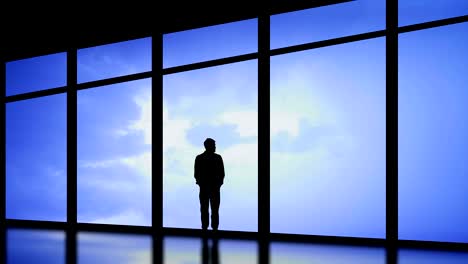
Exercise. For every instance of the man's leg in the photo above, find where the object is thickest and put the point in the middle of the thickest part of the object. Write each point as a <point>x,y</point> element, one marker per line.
<point>214,201</point>
<point>204,203</point>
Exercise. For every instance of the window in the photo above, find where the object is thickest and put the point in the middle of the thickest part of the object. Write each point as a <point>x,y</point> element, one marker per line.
<point>432,134</point>
<point>209,43</point>
<point>34,74</point>
<point>221,103</point>
<point>333,21</point>
<point>36,159</point>
<point>328,141</point>
<point>114,154</point>
<point>114,60</point>
<point>419,11</point>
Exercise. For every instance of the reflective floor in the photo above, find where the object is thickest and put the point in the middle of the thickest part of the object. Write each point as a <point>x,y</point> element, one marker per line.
<point>40,246</point>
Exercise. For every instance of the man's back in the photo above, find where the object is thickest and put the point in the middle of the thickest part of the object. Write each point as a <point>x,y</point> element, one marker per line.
<point>209,169</point>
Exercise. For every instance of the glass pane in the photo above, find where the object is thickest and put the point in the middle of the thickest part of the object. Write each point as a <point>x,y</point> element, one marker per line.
<point>36,159</point>
<point>114,154</point>
<point>114,248</point>
<point>295,253</point>
<point>328,141</point>
<point>433,125</point>
<point>408,256</point>
<point>220,103</point>
<point>34,74</point>
<point>419,11</point>
<point>327,22</point>
<point>34,246</point>
<point>114,60</point>
<point>210,43</point>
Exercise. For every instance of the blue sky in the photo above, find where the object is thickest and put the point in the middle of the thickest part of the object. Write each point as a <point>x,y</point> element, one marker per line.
<point>114,154</point>
<point>327,130</point>
<point>419,11</point>
<point>39,77</point>
<point>327,22</point>
<point>432,134</point>
<point>36,159</point>
<point>328,140</point>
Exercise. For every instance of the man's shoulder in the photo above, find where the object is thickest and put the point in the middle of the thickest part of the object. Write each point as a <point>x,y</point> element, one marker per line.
<point>208,155</point>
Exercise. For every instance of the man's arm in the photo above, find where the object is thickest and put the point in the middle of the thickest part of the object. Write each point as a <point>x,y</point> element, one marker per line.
<point>221,170</point>
<point>197,170</point>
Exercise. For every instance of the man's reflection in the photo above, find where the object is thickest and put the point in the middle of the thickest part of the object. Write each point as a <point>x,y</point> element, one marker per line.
<point>210,255</point>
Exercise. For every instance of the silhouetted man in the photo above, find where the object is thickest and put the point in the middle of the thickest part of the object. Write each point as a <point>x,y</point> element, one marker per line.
<point>209,175</point>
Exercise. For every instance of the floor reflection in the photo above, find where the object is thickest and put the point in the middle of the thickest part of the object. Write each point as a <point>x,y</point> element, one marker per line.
<point>282,253</point>
<point>113,248</point>
<point>46,246</point>
<point>178,250</point>
<point>35,246</point>
<point>411,256</point>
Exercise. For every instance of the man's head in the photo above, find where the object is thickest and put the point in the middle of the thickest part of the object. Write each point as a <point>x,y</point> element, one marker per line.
<point>210,145</point>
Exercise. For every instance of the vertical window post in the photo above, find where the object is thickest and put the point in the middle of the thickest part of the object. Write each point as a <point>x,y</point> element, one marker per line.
<point>2,161</point>
<point>264,135</point>
<point>157,145</point>
<point>157,142</point>
<point>392,130</point>
<point>71,155</point>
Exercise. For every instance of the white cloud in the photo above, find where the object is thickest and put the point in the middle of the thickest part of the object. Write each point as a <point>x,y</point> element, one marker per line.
<point>241,154</point>
<point>124,218</point>
<point>294,98</point>
<point>174,131</point>
<point>246,122</point>
<point>98,164</point>
<point>140,163</point>
<point>121,132</point>
<point>143,124</point>
<point>284,122</point>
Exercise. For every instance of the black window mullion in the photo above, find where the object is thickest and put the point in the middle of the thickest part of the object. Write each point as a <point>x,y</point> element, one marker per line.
<point>392,123</point>
<point>157,146</point>
<point>3,240</point>
<point>71,137</point>
<point>264,125</point>
<point>71,156</point>
<point>157,132</point>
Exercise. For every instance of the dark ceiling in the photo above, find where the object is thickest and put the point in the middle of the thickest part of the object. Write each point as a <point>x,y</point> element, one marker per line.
<point>33,31</point>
